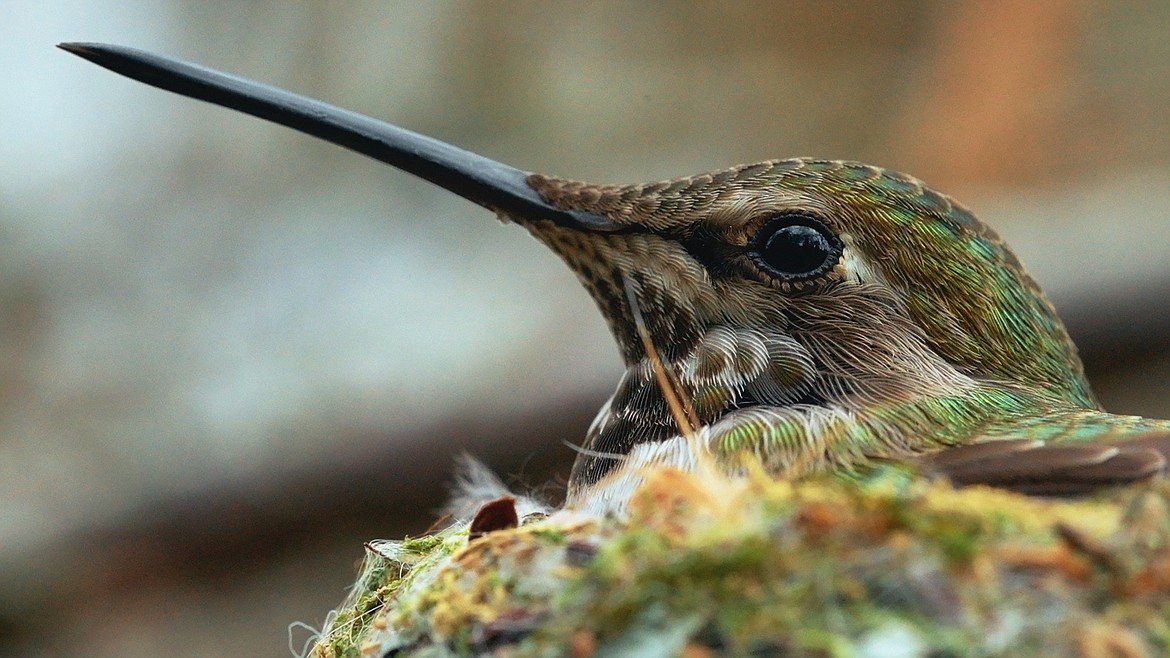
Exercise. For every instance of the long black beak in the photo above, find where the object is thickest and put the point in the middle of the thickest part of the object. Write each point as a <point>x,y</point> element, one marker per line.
<point>489,183</point>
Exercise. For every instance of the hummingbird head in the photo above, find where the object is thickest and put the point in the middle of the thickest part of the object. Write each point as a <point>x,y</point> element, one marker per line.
<point>804,288</point>
<point>807,308</point>
<point>863,266</point>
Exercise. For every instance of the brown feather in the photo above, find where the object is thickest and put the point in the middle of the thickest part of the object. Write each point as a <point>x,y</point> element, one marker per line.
<point>1051,470</point>
<point>1159,441</point>
<point>974,452</point>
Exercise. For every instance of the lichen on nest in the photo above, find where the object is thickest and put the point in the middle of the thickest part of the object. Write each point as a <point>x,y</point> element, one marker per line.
<point>828,566</point>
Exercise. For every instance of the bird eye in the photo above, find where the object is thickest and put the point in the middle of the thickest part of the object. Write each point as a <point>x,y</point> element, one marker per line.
<point>795,247</point>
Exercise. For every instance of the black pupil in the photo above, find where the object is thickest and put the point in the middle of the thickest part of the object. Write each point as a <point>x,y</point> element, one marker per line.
<point>796,250</point>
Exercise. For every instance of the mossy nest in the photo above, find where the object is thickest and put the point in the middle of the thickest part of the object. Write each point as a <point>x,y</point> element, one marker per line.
<point>884,565</point>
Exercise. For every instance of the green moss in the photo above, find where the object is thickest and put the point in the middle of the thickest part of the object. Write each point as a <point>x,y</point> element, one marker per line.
<point>551,534</point>
<point>422,545</point>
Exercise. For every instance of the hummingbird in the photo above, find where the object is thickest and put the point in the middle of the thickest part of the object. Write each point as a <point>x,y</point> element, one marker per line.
<point>815,315</point>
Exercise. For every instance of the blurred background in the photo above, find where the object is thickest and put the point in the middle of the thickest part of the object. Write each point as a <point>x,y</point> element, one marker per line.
<point>231,353</point>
